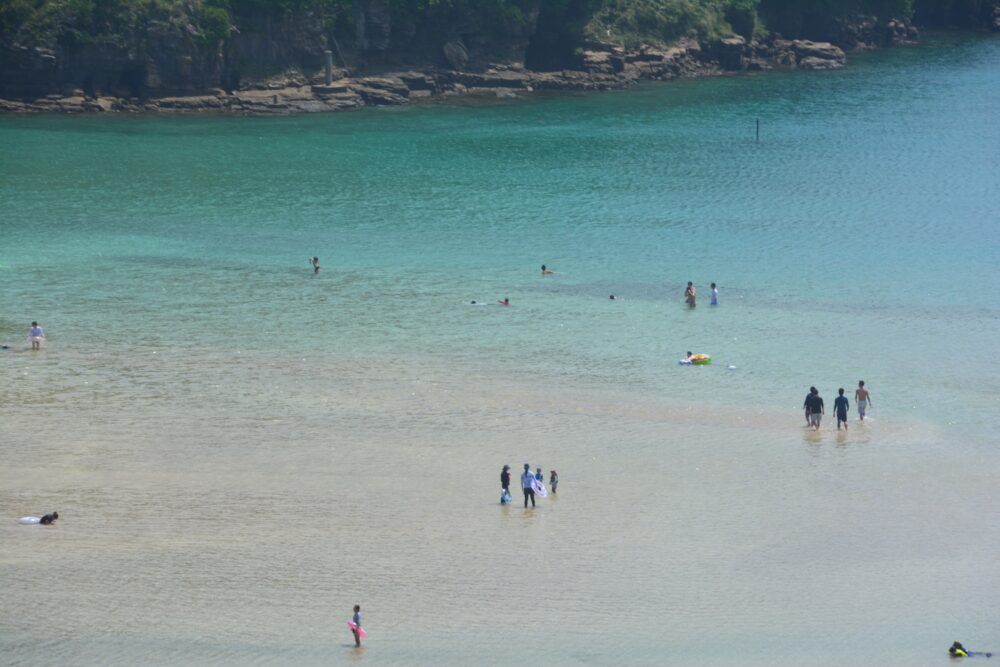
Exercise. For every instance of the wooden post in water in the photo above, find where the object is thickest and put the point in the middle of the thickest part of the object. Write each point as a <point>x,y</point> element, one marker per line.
<point>758,131</point>
<point>328,54</point>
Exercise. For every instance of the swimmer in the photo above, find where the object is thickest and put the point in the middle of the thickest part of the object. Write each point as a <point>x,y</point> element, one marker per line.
<point>36,335</point>
<point>315,264</point>
<point>547,271</point>
<point>958,651</point>
<point>46,520</point>
<point>690,294</point>
<point>612,297</point>
<point>505,302</point>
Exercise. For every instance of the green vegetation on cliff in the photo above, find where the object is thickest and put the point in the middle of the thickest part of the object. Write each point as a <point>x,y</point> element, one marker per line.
<point>164,46</point>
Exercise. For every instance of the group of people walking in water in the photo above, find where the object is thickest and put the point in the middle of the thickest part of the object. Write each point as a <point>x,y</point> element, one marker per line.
<point>815,409</point>
<point>532,484</point>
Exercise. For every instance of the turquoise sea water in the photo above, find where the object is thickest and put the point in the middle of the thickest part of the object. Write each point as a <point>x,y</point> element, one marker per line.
<point>242,450</point>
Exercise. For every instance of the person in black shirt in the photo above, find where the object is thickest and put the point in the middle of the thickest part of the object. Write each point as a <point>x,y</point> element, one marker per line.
<point>49,518</point>
<point>505,484</point>
<point>814,407</point>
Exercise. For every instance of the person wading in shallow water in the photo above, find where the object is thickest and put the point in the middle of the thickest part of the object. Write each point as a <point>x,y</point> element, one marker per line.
<point>814,407</point>
<point>315,264</point>
<point>690,295</point>
<point>863,399</point>
<point>505,485</point>
<point>356,619</point>
<point>526,485</point>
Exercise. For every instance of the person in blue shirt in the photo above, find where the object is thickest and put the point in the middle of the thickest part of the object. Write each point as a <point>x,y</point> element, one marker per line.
<point>36,335</point>
<point>356,619</point>
<point>841,406</point>
<point>526,479</point>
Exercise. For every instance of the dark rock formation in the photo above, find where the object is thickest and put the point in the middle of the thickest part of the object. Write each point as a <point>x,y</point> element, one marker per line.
<point>456,54</point>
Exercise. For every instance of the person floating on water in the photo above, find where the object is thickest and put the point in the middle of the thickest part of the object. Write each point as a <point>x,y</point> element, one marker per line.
<point>526,486</point>
<point>553,480</point>
<point>959,651</point>
<point>547,271</point>
<point>36,336</point>
<point>841,406</point>
<point>814,407</point>
<point>863,399</point>
<point>356,620</point>
<point>505,485</point>
<point>315,264</point>
<point>690,294</point>
<point>504,302</point>
<point>46,520</point>
<point>715,295</point>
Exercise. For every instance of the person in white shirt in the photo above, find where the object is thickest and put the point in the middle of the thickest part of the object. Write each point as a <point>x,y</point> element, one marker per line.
<point>715,295</point>
<point>526,485</point>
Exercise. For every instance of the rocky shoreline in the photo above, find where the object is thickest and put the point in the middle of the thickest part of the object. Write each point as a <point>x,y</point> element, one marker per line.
<point>604,67</point>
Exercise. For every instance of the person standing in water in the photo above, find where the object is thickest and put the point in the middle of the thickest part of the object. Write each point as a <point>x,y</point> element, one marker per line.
<point>356,619</point>
<point>690,294</point>
<point>36,335</point>
<point>553,480</point>
<point>315,264</point>
<point>505,483</point>
<point>863,399</point>
<point>715,295</point>
<point>841,406</point>
<point>814,408</point>
<point>526,486</point>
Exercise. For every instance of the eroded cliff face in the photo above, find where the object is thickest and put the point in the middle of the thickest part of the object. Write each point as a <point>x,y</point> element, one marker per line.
<point>139,51</point>
<point>164,53</point>
<point>174,50</point>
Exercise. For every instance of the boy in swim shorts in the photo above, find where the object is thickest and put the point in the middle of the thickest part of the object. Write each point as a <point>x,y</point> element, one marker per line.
<point>840,406</point>
<point>863,399</point>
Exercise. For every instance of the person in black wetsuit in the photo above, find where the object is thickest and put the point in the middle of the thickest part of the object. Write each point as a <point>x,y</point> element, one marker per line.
<point>49,518</point>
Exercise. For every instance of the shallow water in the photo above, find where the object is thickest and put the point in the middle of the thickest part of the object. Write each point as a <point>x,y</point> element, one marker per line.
<point>240,450</point>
